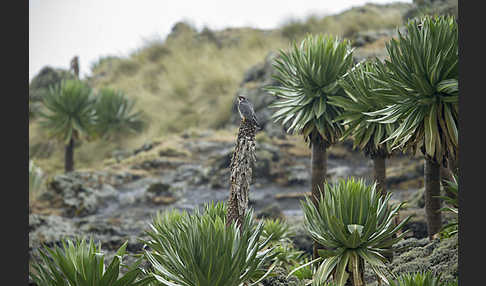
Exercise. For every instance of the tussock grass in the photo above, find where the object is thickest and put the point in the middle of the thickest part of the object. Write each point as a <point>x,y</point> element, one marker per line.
<point>349,22</point>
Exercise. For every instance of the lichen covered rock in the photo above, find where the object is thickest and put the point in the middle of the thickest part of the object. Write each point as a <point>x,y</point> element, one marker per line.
<point>80,193</point>
<point>439,256</point>
<point>280,279</point>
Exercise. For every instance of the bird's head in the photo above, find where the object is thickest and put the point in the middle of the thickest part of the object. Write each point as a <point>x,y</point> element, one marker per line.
<point>241,99</point>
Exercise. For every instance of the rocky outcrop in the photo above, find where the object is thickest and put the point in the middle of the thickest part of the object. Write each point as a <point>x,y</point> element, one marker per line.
<point>273,211</point>
<point>363,38</point>
<point>301,238</point>
<point>49,229</point>
<point>80,193</point>
<point>280,279</point>
<point>163,194</point>
<point>79,199</point>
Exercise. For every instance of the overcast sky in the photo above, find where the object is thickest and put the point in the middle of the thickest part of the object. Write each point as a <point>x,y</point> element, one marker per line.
<point>60,29</point>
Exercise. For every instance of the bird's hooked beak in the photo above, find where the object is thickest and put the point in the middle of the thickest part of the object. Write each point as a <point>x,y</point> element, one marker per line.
<point>241,98</point>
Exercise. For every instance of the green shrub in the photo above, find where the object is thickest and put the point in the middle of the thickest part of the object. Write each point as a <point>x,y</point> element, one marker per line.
<point>128,67</point>
<point>215,211</point>
<point>354,224</point>
<point>103,61</point>
<point>452,198</point>
<point>200,249</point>
<point>303,272</point>
<point>153,51</point>
<point>81,263</point>
<point>276,230</point>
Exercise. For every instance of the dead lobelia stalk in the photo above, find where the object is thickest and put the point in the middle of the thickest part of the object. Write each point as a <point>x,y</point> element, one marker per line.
<point>241,172</point>
<point>74,66</point>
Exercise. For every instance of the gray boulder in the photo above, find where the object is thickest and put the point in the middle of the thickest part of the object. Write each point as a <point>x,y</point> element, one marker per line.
<point>49,229</point>
<point>272,211</point>
<point>81,197</point>
<point>297,175</point>
<point>163,194</point>
<point>280,279</point>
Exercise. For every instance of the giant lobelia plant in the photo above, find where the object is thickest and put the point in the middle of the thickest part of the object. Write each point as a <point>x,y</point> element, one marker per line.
<point>307,76</point>
<point>81,263</point>
<point>421,80</point>
<point>116,114</point>
<point>361,97</point>
<point>69,115</point>
<point>354,223</point>
<point>200,249</point>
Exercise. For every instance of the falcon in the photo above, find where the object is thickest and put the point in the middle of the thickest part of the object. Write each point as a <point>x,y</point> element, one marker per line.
<point>245,108</point>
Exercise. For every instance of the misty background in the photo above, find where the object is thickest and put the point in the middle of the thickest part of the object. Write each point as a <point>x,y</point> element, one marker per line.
<point>93,29</point>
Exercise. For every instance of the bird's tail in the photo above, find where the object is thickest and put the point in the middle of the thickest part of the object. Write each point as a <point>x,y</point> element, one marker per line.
<point>258,126</point>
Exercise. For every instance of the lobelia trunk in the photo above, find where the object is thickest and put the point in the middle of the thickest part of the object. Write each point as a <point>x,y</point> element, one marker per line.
<point>318,175</point>
<point>379,165</point>
<point>69,152</point>
<point>379,174</point>
<point>69,156</point>
<point>432,202</point>
<point>241,173</point>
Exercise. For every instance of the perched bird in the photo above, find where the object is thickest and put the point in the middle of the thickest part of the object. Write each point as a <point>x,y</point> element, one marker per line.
<point>245,108</point>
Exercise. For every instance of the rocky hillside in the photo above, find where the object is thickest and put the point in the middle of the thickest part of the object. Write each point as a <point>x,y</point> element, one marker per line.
<point>180,81</point>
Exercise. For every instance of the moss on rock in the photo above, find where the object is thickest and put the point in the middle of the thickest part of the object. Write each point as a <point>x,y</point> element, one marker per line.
<point>280,279</point>
<point>439,256</point>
